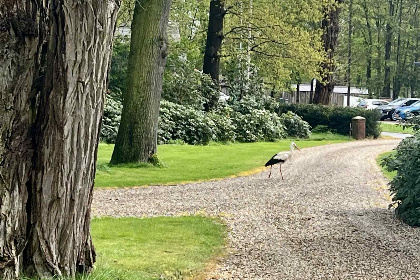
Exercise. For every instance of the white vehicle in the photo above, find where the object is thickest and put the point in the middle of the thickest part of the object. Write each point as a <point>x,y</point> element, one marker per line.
<point>369,104</point>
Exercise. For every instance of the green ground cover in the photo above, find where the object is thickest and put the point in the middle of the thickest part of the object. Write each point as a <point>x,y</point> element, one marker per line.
<point>155,248</point>
<point>186,163</point>
<point>389,175</point>
<point>396,128</point>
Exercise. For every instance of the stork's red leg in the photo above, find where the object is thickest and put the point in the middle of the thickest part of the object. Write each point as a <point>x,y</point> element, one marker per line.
<point>281,173</point>
<point>270,171</point>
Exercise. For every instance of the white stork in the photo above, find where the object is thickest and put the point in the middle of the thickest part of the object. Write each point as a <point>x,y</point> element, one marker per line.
<point>281,158</point>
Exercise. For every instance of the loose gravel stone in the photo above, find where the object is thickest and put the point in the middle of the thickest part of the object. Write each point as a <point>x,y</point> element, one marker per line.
<point>328,219</point>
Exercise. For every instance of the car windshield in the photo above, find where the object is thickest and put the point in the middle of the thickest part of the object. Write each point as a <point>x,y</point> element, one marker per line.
<point>362,103</point>
<point>416,104</point>
<point>398,101</point>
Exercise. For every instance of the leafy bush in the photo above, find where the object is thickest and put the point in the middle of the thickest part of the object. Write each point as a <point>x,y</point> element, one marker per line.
<point>320,129</point>
<point>406,184</point>
<point>336,118</point>
<point>258,125</point>
<point>177,122</point>
<point>224,128</point>
<point>295,126</point>
<point>111,120</point>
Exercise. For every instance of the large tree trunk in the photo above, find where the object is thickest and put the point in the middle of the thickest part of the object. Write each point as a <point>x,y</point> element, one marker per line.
<point>53,64</point>
<point>330,25</point>
<point>137,134</point>
<point>214,39</point>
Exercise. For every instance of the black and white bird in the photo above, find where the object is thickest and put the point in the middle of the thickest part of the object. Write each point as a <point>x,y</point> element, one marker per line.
<point>281,158</point>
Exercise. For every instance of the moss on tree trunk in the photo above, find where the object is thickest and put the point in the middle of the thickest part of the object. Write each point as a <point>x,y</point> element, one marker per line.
<point>137,134</point>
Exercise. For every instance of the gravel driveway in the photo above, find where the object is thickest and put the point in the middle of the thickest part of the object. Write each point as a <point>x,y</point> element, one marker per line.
<point>327,220</point>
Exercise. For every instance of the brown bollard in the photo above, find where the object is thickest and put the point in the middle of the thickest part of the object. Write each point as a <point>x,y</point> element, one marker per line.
<point>358,125</point>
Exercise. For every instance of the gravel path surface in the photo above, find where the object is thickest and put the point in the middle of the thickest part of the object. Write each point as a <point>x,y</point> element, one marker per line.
<point>327,220</point>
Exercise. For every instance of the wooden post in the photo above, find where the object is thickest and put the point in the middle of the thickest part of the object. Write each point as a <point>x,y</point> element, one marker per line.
<point>358,125</point>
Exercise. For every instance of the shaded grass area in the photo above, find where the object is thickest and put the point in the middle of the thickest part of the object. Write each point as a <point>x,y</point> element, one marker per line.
<point>154,248</point>
<point>186,163</point>
<point>396,128</point>
<point>388,175</point>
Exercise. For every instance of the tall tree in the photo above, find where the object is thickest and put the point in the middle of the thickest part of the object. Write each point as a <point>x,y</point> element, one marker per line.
<point>214,40</point>
<point>137,134</point>
<point>349,59</point>
<point>388,45</point>
<point>331,27</point>
<point>54,61</point>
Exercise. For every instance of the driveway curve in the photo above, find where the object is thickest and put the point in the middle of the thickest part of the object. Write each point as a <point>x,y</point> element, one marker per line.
<point>328,219</point>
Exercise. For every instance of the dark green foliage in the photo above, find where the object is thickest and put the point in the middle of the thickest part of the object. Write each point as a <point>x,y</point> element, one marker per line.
<point>155,161</point>
<point>295,126</point>
<point>320,129</point>
<point>183,84</point>
<point>336,118</point>
<point>111,120</point>
<point>119,63</point>
<point>406,184</point>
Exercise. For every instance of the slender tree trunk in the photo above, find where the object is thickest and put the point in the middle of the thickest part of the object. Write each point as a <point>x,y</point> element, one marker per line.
<point>398,76</point>
<point>298,93</point>
<point>388,46</point>
<point>137,134</point>
<point>330,25</point>
<point>369,44</point>
<point>54,63</point>
<point>378,63</point>
<point>211,64</point>
<point>350,42</point>
<point>416,54</point>
<point>311,95</point>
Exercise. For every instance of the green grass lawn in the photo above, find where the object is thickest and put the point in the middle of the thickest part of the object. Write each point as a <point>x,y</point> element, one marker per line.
<point>150,247</point>
<point>396,128</point>
<point>389,175</point>
<point>186,163</point>
<point>155,248</point>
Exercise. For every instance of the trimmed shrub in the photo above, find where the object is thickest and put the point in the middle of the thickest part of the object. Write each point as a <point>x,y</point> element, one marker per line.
<point>295,126</point>
<point>336,118</point>
<point>406,184</point>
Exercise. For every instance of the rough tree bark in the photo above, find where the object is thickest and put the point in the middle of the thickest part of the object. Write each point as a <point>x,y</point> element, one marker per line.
<point>330,25</point>
<point>211,64</point>
<point>137,134</point>
<point>54,57</point>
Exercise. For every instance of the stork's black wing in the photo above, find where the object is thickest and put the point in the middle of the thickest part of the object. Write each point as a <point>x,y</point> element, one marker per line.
<point>274,160</point>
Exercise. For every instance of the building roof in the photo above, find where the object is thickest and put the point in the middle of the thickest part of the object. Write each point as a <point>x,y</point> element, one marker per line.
<point>337,89</point>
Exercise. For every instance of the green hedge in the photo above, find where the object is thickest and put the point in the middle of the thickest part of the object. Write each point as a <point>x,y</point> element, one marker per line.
<point>337,119</point>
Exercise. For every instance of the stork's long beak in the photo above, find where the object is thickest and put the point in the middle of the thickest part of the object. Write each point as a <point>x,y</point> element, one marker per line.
<point>297,148</point>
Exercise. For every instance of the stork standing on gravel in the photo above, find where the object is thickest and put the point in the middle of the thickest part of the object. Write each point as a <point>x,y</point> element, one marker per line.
<point>281,158</point>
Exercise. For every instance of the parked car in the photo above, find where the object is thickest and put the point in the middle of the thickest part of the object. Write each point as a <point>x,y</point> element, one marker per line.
<point>369,104</point>
<point>408,112</point>
<point>388,111</point>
